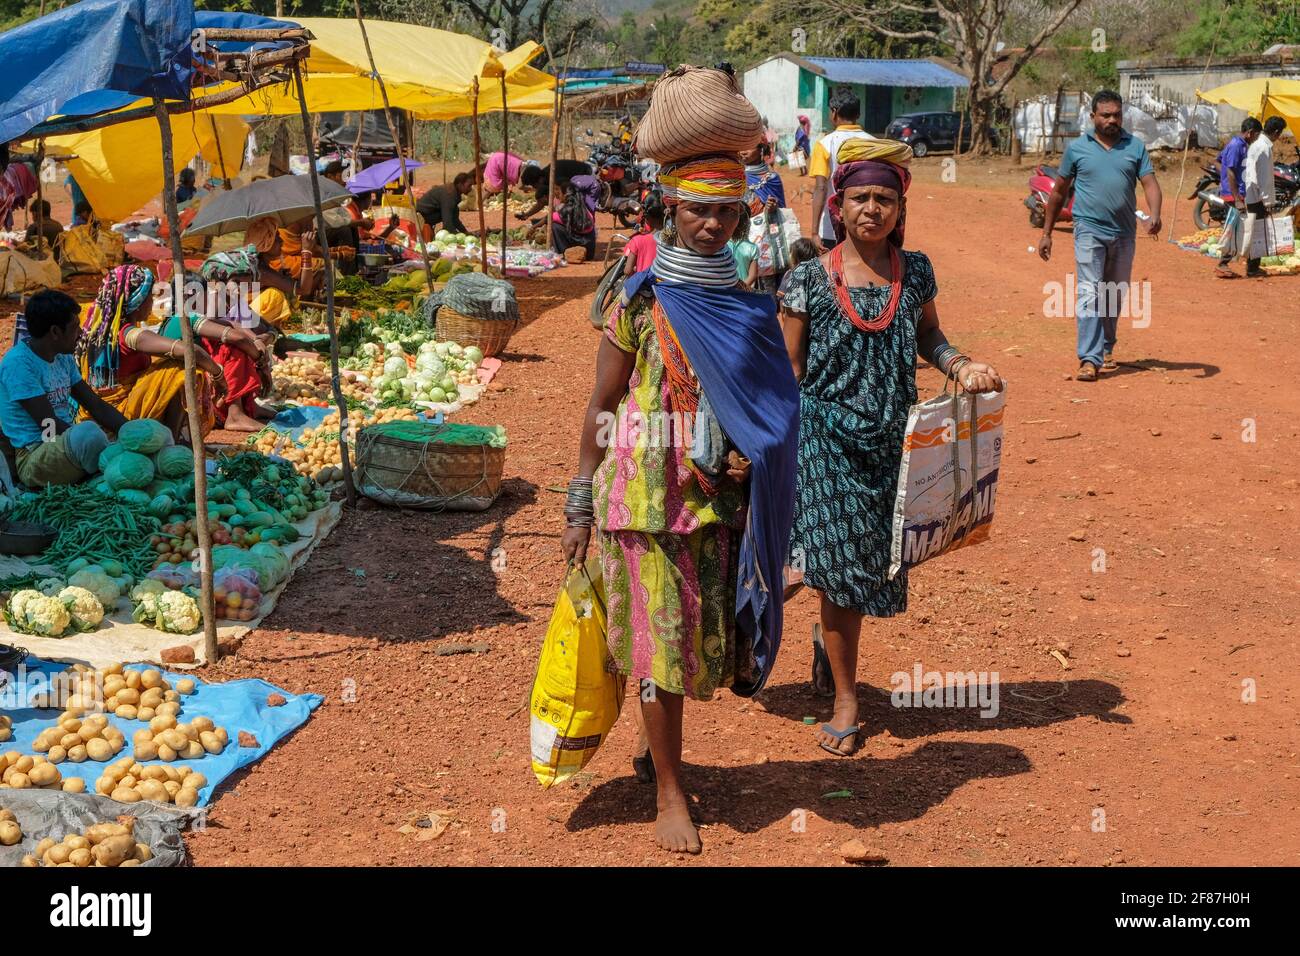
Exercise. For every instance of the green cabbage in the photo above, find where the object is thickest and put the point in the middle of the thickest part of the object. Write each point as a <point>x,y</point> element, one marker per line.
<point>174,461</point>
<point>108,454</point>
<point>144,435</point>
<point>128,470</point>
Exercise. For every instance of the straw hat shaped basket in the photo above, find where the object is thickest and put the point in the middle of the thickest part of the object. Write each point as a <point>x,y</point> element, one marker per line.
<point>491,336</point>
<point>478,310</point>
<point>423,465</point>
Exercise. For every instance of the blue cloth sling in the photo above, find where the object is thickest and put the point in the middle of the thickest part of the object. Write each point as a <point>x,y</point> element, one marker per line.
<point>734,344</point>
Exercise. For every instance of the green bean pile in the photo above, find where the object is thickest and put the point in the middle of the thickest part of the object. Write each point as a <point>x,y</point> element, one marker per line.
<point>91,525</point>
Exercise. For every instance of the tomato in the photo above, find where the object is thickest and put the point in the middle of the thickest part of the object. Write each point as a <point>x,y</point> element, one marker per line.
<point>234,599</point>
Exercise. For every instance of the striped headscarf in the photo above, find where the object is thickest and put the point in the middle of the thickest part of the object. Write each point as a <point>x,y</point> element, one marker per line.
<point>123,290</point>
<point>870,162</point>
<point>712,179</point>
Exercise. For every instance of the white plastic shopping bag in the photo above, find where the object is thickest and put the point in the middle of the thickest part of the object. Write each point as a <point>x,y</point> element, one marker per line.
<point>1273,236</point>
<point>774,233</point>
<point>946,487</point>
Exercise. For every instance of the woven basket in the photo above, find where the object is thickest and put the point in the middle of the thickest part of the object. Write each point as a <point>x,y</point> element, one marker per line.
<point>429,474</point>
<point>490,335</point>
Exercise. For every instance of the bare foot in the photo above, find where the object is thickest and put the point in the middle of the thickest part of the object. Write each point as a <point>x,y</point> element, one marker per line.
<point>238,421</point>
<point>674,830</point>
<point>844,715</point>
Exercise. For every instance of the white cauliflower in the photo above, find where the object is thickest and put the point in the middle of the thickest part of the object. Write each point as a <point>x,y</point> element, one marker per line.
<point>171,611</point>
<point>32,612</point>
<point>147,586</point>
<point>94,580</point>
<point>83,607</point>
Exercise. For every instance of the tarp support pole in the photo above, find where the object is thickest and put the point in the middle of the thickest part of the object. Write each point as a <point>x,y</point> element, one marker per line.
<point>221,159</point>
<point>207,605</point>
<point>557,112</point>
<point>323,238</point>
<point>40,209</point>
<point>505,193</point>
<point>478,174</point>
<point>397,143</point>
<point>446,126</point>
<point>1191,122</point>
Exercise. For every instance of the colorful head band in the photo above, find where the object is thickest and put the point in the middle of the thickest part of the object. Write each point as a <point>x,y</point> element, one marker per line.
<point>710,179</point>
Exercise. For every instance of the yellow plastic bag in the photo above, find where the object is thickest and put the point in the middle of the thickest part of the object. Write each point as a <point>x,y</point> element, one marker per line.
<point>575,698</point>
<point>90,249</point>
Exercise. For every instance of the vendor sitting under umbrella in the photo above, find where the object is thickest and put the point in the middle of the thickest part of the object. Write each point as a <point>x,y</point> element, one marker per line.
<point>440,206</point>
<point>138,372</point>
<point>537,180</point>
<point>39,381</point>
<point>282,268</point>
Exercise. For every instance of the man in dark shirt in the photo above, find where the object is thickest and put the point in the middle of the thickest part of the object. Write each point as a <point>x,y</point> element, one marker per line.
<point>50,228</point>
<point>440,206</point>
<point>537,179</point>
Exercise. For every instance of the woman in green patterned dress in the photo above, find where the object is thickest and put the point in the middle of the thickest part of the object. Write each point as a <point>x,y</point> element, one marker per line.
<point>854,321</point>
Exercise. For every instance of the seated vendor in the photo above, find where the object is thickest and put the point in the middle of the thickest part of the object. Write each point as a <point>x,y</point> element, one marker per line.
<point>573,223</point>
<point>278,286</point>
<point>138,372</point>
<point>440,206</point>
<point>39,382</point>
<point>537,180</point>
<point>343,224</point>
<point>239,341</point>
<point>50,229</point>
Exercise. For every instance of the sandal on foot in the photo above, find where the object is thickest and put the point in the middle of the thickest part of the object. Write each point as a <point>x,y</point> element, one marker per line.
<point>839,736</point>
<point>1087,373</point>
<point>823,683</point>
<point>1109,363</point>
<point>644,768</point>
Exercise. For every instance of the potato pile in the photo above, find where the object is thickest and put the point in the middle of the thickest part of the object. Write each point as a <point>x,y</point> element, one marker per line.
<point>11,834</point>
<point>319,446</point>
<point>26,772</point>
<point>104,844</point>
<point>127,782</point>
<point>301,378</point>
<point>131,695</point>
<point>164,739</point>
<point>74,739</point>
<point>6,728</point>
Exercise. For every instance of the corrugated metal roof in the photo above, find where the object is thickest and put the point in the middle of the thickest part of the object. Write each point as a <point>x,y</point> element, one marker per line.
<point>886,72</point>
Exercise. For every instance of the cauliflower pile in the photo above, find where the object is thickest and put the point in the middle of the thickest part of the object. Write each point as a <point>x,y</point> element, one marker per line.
<point>83,607</point>
<point>172,611</point>
<point>31,612</point>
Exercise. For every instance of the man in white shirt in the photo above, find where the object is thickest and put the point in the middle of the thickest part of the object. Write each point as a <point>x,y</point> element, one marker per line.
<point>845,110</point>
<point>1258,176</point>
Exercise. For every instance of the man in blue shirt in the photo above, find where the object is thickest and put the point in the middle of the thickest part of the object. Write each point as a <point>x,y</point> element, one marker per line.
<point>39,384</point>
<point>1104,165</point>
<point>1232,184</point>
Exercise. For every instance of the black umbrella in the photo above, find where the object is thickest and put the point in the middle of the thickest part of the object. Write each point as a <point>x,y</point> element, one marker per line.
<point>286,199</point>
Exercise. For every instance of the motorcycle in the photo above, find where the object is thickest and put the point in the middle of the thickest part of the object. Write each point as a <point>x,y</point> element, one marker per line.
<point>623,182</point>
<point>1210,208</point>
<point>1041,184</point>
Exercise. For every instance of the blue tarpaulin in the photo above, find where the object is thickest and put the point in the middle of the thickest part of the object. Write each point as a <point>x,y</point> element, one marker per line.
<point>93,56</point>
<point>235,705</point>
<point>886,72</point>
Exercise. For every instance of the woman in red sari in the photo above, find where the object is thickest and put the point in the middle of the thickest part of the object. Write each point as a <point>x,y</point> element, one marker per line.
<point>244,355</point>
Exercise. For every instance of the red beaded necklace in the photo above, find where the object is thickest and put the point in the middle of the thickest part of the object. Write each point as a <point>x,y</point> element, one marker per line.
<point>841,288</point>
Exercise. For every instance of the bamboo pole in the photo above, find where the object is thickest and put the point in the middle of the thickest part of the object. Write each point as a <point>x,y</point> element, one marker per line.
<point>40,209</point>
<point>445,127</point>
<point>505,192</point>
<point>221,159</point>
<point>323,238</point>
<point>558,110</point>
<point>191,387</point>
<point>397,144</point>
<point>478,174</point>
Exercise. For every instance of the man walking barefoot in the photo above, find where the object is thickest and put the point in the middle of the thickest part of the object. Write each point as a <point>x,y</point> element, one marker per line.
<point>1105,165</point>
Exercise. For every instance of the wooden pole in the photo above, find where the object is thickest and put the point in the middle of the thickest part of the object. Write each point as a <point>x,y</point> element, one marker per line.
<point>356,143</point>
<point>221,159</point>
<point>558,108</point>
<point>478,174</point>
<point>322,235</point>
<point>191,388</point>
<point>397,143</point>
<point>40,210</point>
<point>446,125</point>
<point>505,192</point>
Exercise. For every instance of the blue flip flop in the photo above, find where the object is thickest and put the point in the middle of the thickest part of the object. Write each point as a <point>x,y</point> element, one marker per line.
<point>839,736</point>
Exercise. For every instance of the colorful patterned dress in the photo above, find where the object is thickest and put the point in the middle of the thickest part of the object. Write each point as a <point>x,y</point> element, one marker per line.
<point>669,552</point>
<point>853,406</point>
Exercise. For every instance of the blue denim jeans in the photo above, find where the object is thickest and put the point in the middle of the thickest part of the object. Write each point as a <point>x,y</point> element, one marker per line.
<point>1103,268</point>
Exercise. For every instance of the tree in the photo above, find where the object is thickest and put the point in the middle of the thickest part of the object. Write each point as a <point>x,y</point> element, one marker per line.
<point>973,29</point>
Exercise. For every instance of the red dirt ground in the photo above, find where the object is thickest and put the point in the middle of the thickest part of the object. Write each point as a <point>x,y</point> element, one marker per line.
<point>1147,730</point>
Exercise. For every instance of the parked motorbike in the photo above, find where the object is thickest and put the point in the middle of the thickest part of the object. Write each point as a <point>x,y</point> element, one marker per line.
<point>1210,208</point>
<point>1041,184</point>
<point>622,183</point>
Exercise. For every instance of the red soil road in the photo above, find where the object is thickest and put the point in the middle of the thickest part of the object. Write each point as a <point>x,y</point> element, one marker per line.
<point>1146,730</point>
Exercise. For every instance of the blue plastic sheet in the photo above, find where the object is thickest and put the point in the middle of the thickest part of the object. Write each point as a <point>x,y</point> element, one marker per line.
<point>296,420</point>
<point>112,49</point>
<point>235,705</point>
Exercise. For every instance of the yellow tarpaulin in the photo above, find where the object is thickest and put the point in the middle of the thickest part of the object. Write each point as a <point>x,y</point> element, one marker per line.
<point>1262,97</point>
<point>119,168</point>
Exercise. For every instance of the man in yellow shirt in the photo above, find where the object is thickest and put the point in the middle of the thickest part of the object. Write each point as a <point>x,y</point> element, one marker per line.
<point>845,111</point>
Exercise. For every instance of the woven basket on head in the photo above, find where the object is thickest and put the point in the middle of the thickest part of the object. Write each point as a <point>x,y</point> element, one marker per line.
<point>491,336</point>
<point>694,111</point>
<point>421,472</point>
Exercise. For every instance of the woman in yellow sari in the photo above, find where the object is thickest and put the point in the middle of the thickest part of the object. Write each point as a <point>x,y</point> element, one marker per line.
<point>139,372</point>
<point>281,272</point>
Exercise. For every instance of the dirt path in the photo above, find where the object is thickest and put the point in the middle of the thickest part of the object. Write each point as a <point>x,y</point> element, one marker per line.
<point>1146,730</point>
